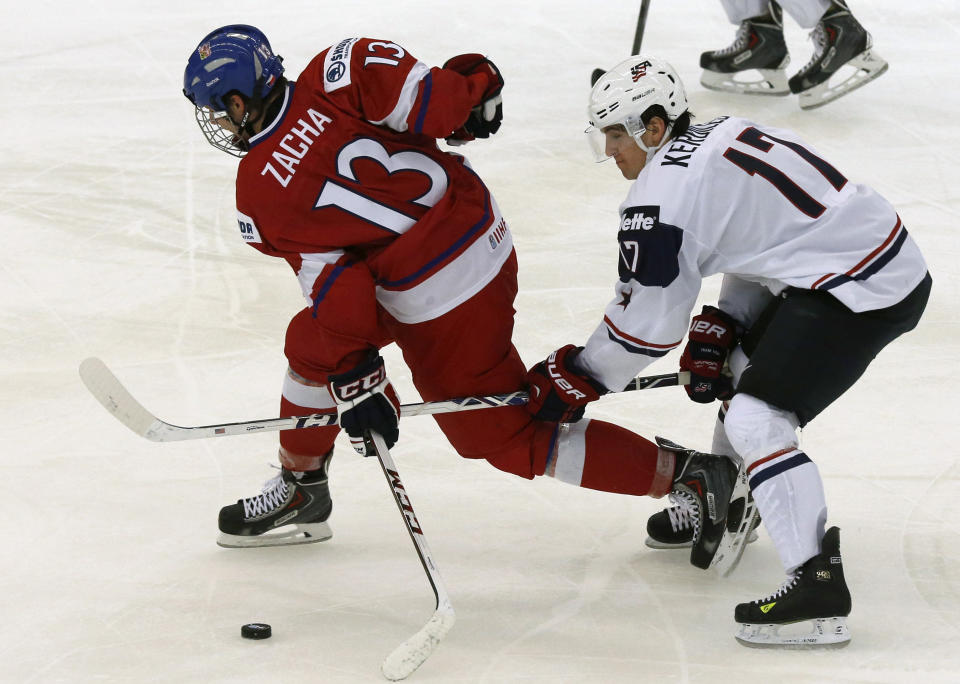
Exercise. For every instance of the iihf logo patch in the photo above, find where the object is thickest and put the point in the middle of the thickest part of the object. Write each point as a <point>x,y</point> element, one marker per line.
<point>638,71</point>
<point>497,234</point>
<point>204,50</point>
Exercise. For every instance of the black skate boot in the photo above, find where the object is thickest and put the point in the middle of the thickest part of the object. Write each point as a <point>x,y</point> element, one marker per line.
<point>817,592</point>
<point>289,510</point>
<point>672,528</point>
<point>704,485</point>
<point>758,48</point>
<point>839,40</point>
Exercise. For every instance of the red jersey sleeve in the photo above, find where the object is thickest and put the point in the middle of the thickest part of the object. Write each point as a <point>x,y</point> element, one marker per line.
<point>382,83</point>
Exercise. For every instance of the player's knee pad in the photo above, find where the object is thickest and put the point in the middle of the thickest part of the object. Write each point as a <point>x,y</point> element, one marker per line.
<point>756,429</point>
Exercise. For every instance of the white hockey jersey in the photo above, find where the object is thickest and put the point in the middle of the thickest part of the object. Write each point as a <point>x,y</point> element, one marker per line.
<point>758,205</point>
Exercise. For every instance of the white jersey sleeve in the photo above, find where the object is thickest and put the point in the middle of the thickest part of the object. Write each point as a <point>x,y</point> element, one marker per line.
<point>658,286</point>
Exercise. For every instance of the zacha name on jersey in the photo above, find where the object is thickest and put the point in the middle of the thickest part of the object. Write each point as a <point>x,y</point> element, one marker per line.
<point>649,249</point>
<point>684,146</point>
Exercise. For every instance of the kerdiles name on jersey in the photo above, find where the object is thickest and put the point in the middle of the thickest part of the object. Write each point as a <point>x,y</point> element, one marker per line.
<point>684,146</point>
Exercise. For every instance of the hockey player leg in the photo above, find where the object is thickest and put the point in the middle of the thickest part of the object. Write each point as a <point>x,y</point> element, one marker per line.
<point>809,609</point>
<point>705,485</point>
<point>755,63</point>
<point>294,506</point>
<point>672,528</point>
<point>789,494</point>
<point>842,61</point>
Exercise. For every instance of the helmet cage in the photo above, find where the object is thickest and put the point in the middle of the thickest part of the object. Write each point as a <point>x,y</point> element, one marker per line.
<point>217,134</point>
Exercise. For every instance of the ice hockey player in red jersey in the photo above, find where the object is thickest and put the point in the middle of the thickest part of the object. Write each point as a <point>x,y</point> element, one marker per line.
<point>819,275</point>
<point>394,240</point>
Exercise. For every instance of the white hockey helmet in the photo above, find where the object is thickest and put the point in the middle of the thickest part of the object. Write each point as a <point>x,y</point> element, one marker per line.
<point>628,90</point>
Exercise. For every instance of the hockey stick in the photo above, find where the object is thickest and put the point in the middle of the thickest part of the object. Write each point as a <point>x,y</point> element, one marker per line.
<point>641,25</point>
<point>637,39</point>
<point>114,397</point>
<point>411,654</point>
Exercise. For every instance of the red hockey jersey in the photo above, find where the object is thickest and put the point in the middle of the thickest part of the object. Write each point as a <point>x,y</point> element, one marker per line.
<point>349,186</point>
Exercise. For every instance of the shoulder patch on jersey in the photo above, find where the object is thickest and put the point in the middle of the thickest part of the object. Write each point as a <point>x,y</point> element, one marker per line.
<point>649,249</point>
<point>336,65</point>
<point>248,229</point>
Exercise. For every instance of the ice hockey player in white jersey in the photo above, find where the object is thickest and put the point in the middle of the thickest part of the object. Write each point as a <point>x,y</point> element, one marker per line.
<point>819,274</point>
<point>755,63</point>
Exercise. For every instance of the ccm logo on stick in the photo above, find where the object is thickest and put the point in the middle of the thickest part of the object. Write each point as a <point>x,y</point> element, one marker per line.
<point>558,379</point>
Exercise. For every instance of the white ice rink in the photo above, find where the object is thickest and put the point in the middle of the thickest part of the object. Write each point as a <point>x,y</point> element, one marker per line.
<point>120,241</point>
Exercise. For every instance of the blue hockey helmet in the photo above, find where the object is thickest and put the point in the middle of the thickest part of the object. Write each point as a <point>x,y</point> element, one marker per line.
<point>235,58</point>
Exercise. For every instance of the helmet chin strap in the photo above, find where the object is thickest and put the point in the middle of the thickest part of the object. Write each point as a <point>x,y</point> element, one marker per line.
<point>650,149</point>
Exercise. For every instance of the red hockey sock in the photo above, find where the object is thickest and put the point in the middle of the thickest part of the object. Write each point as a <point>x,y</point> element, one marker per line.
<point>603,456</point>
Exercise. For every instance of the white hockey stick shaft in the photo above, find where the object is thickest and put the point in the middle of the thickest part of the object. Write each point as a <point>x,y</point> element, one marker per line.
<point>411,654</point>
<point>114,397</point>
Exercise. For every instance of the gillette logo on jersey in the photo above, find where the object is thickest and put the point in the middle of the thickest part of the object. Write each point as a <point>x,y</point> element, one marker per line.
<point>638,71</point>
<point>640,218</point>
<point>649,249</point>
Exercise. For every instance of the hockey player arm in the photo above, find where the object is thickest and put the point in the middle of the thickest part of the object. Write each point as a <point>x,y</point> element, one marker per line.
<point>559,389</point>
<point>388,86</point>
<point>485,84</point>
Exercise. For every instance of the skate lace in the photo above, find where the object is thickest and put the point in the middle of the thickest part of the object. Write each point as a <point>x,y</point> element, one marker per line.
<point>682,514</point>
<point>787,585</point>
<point>273,493</point>
<point>685,512</point>
<point>739,41</point>
<point>820,43</point>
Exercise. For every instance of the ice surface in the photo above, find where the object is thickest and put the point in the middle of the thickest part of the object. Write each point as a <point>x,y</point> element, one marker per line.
<point>120,241</point>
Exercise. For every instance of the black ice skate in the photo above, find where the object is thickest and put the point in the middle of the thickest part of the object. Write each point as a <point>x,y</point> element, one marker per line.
<point>706,485</point>
<point>672,528</point>
<point>839,41</point>
<point>816,594</point>
<point>287,511</point>
<point>755,63</point>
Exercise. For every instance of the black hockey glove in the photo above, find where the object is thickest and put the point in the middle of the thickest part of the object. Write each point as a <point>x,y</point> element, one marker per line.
<point>559,392</point>
<point>485,118</point>
<point>366,400</point>
<point>713,334</point>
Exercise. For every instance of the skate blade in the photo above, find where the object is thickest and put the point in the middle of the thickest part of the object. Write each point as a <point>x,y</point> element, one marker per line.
<point>654,544</point>
<point>819,633</point>
<point>749,82</point>
<point>866,67</point>
<point>304,533</point>
<point>739,529</point>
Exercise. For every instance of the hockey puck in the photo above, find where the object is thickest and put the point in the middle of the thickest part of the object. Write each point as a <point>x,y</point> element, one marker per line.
<point>256,630</point>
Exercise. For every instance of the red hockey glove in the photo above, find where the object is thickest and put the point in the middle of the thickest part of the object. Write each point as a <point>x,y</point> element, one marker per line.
<point>559,393</point>
<point>366,400</point>
<point>485,117</point>
<point>712,335</point>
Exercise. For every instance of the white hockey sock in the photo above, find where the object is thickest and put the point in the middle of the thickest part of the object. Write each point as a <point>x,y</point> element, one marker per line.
<point>789,494</point>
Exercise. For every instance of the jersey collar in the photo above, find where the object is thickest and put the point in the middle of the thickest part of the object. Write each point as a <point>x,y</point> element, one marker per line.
<point>265,133</point>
